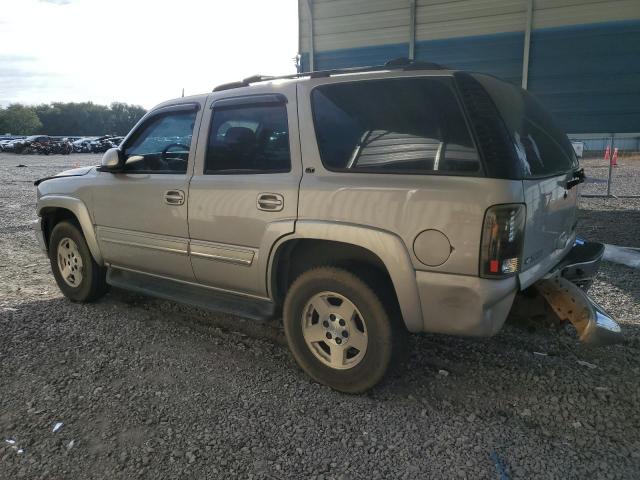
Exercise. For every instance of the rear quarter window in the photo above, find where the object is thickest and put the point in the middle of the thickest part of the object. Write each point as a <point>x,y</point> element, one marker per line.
<point>408,125</point>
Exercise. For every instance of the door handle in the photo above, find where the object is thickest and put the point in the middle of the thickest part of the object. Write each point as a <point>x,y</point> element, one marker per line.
<point>174,197</point>
<point>270,202</point>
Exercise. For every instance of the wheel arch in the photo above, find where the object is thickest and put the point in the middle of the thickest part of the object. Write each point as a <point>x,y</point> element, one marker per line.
<point>376,248</point>
<point>55,208</point>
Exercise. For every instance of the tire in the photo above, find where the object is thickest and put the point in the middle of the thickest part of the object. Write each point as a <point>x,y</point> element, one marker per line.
<point>315,308</point>
<point>83,280</point>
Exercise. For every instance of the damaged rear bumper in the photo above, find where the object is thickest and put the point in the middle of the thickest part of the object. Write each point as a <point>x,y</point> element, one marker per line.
<point>581,264</point>
<point>570,303</point>
<point>565,290</point>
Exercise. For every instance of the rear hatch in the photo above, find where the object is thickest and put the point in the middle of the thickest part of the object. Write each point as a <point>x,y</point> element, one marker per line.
<point>539,154</point>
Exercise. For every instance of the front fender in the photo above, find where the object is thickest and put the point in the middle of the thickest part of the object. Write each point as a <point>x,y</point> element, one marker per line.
<point>388,247</point>
<point>81,212</point>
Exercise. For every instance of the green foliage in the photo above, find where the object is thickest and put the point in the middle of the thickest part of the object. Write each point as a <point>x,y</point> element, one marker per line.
<point>58,118</point>
<point>19,119</point>
<point>124,117</point>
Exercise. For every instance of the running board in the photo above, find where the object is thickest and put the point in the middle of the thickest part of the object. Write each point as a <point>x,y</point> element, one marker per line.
<point>192,294</point>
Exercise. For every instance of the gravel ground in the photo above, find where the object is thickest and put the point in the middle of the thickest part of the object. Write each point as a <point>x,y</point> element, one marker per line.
<point>625,177</point>
<point>147,388</point>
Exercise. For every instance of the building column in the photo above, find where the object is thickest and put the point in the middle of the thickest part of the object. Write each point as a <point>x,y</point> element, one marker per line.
<point>412,29</point>
<point>312,63</point>
<point>527,44</point>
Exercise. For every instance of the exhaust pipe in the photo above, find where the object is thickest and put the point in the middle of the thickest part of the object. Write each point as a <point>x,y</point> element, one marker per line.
<point>570,302</point>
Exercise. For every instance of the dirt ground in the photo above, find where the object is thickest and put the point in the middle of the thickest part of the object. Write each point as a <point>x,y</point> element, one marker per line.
<point>147,388</point>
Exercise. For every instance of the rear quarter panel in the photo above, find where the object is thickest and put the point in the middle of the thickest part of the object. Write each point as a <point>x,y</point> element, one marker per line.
<point>407,206</point>
<point>401,204</point>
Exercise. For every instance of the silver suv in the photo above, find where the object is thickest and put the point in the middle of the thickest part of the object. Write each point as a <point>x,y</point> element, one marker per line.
<point>357,204</point>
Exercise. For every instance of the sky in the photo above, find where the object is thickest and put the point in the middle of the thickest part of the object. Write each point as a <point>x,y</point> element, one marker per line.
<point>139,51</point>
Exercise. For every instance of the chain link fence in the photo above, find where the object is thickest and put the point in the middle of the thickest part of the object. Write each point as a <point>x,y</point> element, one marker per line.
<point>611,164</point>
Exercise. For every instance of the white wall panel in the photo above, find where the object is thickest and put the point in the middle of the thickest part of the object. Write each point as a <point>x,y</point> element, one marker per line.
<point>462,9</point>
<point>362,38</point>
<point>560,13</point>
<point>512,22</point>
<point>451,19</point>
<point>363,22</point>
<point>587,75</point>
<point>356,23</point>
<point>340,8</point>
<point>342,24</point>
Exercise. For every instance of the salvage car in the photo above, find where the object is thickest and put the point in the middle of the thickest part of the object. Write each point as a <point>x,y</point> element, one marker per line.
<point>104,143</point>
<point>83,145</point>
<point>359,205</point>
<point>21,145</point>
<point>40,144</point>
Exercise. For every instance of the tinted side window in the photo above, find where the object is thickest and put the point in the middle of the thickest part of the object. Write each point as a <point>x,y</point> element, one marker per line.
<point>542,147</point>
<point>248,139</point>
<point>397,126</point>
<point>162,146</point>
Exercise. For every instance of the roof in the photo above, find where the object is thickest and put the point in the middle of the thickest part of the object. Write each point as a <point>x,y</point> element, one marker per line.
<point>403,64</point>
<point>399,64</point>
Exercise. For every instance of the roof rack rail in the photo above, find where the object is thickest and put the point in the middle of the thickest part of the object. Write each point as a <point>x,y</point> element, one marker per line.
<point>229,86</point>
<point>401,63</point>
<point>407,64</point>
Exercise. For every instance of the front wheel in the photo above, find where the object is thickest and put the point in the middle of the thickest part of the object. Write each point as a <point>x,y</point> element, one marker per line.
<point>77,274</point>
<point>339,331</point>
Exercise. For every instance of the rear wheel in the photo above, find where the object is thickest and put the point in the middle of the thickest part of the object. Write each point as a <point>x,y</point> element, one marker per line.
<point>77,274</point>
<point>339,331</point>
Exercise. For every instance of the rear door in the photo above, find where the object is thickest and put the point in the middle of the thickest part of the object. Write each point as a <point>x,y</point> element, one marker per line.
<point>548,164</point>
<point>244,192</point>
<point>551,225</point>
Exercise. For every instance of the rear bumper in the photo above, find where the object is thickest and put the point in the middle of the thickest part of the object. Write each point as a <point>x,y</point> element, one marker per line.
<point>464,305</point>
<point>581,264</point>
<point>572,304</point>
<point>473,306</point>
<point>564,289</point>
<point>561,295</point>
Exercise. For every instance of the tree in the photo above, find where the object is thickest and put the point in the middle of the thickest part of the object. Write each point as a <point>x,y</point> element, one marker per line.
<point>83,118</point>
<point>87,118</point>
<point>19,120</point>
<point>124,116</point>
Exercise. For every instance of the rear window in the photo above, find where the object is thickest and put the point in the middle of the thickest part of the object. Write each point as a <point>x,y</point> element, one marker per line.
<point>542,148</point>
<point>408,126</point>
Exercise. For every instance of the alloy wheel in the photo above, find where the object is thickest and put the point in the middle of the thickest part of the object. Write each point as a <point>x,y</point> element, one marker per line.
<point>70,262</point>
<point>334,330</point>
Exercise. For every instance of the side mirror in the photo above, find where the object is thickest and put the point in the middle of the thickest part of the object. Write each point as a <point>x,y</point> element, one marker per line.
<point>111,160</point>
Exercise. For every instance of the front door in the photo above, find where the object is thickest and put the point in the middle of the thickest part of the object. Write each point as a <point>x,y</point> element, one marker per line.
<point>141,212</point>
<point>244,192</point>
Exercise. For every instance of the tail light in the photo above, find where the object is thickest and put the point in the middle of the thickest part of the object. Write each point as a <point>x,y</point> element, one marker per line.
<point>502,239</point>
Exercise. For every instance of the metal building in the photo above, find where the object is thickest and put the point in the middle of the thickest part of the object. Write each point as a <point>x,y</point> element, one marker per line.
<point>581,58</point>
